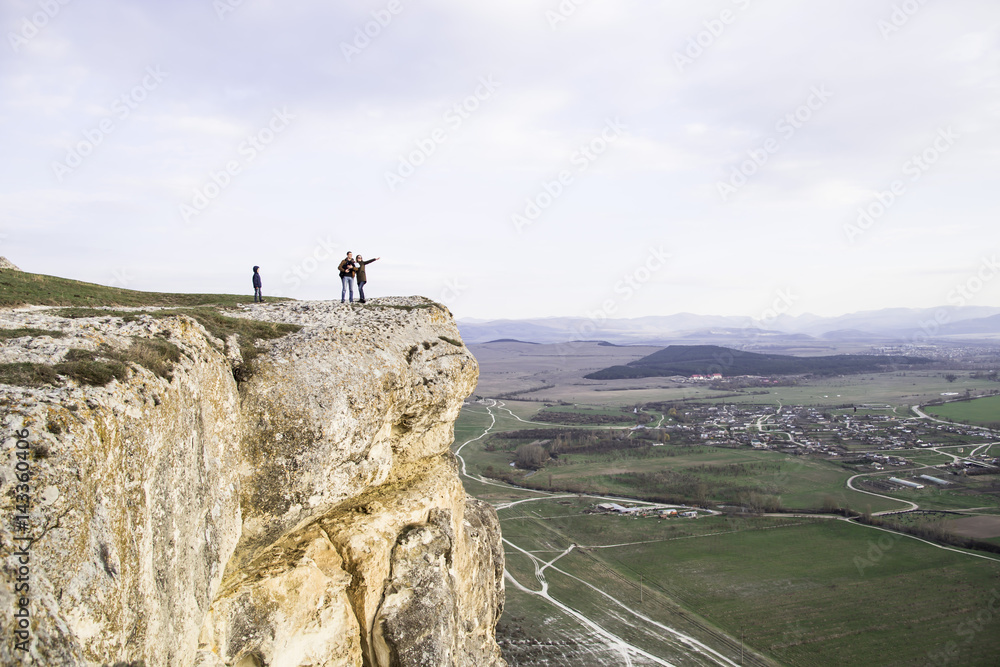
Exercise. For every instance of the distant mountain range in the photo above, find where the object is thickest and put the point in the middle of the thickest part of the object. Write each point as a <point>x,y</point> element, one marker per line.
<point>890,325</point>
<point>709,359</point>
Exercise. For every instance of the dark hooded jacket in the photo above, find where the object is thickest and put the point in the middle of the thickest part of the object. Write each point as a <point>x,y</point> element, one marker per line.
<point>361,270</point>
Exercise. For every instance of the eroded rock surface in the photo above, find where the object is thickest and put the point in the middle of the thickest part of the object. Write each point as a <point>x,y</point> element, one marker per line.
<point>309,515</point>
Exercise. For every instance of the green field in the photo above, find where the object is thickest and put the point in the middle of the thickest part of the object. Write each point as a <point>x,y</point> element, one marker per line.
<point>981,411</point>
<point>895,390</point>
<point>802,591</point>
<point>801,482</point>
<point>971,493</point>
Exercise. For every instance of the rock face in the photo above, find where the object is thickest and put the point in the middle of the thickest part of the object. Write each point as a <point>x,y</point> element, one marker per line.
<point>310,514</point>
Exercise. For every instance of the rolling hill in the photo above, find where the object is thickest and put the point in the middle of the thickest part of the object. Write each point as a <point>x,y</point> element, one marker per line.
<point>709,359</point>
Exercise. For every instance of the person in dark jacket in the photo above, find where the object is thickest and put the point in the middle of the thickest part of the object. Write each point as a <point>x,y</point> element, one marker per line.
<point>360,275</point>
<point>347,268</point>
<point>257,296</point>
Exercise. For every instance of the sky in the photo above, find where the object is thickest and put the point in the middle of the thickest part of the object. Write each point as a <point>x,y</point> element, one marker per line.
<point>511,158</point>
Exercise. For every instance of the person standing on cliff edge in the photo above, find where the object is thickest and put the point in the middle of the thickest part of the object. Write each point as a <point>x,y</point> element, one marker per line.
<point>347,268</point>
<point>362,279</point>
<point>257,296</point>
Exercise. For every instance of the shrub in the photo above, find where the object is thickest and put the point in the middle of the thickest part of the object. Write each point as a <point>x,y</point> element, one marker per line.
<point>27,374</point>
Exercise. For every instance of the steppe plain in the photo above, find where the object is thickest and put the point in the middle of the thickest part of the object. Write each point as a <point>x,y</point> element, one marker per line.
<point>793,584</point>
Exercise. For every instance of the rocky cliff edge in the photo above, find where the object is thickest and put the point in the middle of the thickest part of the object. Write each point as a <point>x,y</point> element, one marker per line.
<point>308,514</point>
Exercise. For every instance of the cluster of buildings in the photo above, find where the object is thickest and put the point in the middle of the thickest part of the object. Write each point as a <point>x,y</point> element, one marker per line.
<point>645,511</point>
<point>705,378</point>
<point>804,429</point>
<point>882,461</point>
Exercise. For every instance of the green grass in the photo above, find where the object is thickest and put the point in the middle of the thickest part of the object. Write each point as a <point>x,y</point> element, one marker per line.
<point>216,323</point>
<point>768,583</point>
<point>83,300</point>
<point>801,482</point>
<point>408,308</point>
<point>587,410</point>
<point>793,585</point>
<point>25,374</point>
<point>805,592</point>
<point>898,390</point>
<point>249,331</point>
<point>549,527</point>
<point>18,288</point>
<point>96,368</point>
<point>980,411</point>
<point>6,334</point>
<point>965,493</point>
<point>923,457</point>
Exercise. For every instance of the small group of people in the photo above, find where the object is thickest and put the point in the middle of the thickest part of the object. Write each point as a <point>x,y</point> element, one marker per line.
<point>350,268</point>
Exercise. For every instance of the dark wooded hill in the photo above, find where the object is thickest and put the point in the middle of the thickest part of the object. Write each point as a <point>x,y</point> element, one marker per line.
<point>710,359</point>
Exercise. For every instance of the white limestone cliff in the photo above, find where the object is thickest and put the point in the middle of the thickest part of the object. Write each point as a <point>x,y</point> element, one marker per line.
<point>308,515</point>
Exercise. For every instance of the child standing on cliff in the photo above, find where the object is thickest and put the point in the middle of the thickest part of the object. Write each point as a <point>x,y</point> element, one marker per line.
<point>257,296</point>
<point>360,275</point>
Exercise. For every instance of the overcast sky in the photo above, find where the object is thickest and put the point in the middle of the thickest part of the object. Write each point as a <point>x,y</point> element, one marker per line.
<point>511,158</point>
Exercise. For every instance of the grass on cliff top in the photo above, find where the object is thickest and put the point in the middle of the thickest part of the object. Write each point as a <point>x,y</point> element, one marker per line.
<point>219,325</point>
<point>96,368</point>
<point>100,367</point>
<point>18,288</point>
<point>247,331</point>
<point>20,333</point>
<point>80,299</point>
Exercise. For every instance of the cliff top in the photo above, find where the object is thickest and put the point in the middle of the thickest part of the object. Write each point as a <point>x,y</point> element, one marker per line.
<point>18,288</point>
<point>55,328</point>
<point>193,505</point>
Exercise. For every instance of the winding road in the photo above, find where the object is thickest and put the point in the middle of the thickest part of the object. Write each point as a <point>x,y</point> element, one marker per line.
<point>628,651</point>
<point>611,640</point>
